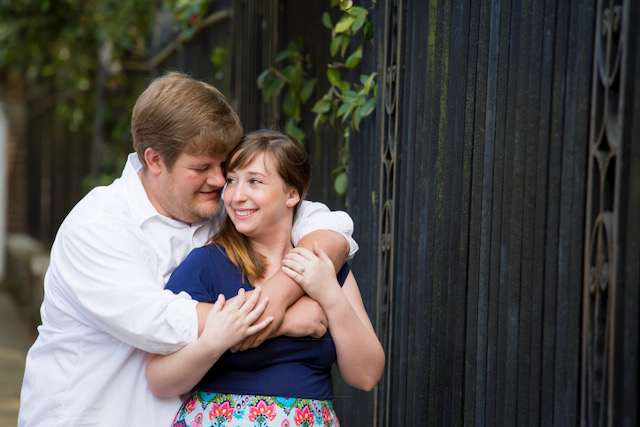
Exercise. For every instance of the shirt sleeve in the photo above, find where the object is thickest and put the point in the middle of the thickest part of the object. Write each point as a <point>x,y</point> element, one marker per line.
<point>194,275</point>
<point>313,216</point>
<point>103,275</point>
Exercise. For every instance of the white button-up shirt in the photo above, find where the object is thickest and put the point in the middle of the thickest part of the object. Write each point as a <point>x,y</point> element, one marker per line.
<point>105,306</point>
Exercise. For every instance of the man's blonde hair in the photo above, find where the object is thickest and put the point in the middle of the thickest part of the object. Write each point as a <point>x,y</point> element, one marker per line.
<point>177,114</point>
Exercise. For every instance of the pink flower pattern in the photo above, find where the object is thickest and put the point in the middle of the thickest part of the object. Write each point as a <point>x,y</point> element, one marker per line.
<point>190,406</point>
<point>327,417</point>
<point>198,421</point>
<point>262,412</point>
<point>304,417</point>
<point>221,413</point>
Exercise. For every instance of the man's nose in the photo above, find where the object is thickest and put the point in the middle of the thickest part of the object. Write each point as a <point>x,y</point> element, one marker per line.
<point>216,178</point>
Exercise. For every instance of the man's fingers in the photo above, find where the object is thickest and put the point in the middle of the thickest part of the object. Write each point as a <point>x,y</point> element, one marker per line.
<point>248,343</point>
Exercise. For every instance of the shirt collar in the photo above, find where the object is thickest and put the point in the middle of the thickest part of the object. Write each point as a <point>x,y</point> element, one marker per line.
<point>141,207</point>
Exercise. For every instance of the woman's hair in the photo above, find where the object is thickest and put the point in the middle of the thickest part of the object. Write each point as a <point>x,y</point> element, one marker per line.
<point>291,163</point>
<point>177,114</point>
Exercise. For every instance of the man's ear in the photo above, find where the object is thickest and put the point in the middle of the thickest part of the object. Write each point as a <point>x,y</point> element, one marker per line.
<point>154,161</point>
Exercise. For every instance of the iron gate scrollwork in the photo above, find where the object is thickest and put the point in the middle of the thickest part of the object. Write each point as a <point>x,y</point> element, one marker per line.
<point>601,217</point>
<point>388,146</point>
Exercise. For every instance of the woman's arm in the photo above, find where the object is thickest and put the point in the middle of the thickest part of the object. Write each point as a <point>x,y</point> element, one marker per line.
<point>360,354</point>
<point>227,324</point>
<point>283,291</point>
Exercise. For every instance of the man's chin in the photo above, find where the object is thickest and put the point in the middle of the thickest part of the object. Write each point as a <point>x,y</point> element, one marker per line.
<point>207,212</point>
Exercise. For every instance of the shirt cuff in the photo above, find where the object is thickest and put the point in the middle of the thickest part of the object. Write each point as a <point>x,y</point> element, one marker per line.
<point>182,317</point>
<point>337,221</point>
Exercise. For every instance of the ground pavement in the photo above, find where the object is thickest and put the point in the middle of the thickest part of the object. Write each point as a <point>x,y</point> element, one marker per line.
<point>15,339</point>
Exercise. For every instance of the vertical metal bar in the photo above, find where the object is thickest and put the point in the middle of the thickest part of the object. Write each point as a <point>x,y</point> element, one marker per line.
<point>603,189</point>
<point>389,132</point>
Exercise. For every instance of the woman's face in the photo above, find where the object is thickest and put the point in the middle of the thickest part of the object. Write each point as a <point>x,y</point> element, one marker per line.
<point>258,201</point>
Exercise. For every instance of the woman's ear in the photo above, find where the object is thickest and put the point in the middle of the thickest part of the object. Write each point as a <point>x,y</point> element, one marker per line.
<point>154,161</point>
<point>293,199</point>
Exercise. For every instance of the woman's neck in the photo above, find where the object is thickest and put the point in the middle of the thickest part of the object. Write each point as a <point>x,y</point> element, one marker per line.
<point>274,250</point>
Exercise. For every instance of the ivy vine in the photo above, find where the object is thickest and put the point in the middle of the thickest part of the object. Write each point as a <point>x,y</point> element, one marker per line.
<point>346,103</point>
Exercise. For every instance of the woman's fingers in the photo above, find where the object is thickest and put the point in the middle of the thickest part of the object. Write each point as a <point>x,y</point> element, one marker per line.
<point>320,253</point>
<point>217,306</point>
<point>254,329</point>
<point>295,275</point>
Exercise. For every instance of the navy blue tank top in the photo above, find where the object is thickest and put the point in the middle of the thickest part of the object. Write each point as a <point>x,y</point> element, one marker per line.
<point>282,366</point>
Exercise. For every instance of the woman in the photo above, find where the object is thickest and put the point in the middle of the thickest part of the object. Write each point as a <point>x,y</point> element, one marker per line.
<point>286,381</point>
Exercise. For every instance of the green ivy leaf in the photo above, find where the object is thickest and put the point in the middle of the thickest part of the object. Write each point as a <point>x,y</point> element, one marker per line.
<point>307,89</point>
<point>350,96</point>
<point>344,24</point>
<point>346,4</point>
<point>358,11</point>
<point>326,21</point>
<point>271,88</point>
<point>322,106</point>
<point>292,129</point>
<point>368,107</point>
<point>340,184</point>
<point>346,41</point>
<point>354,58</point>
<point>358,23</point>
<point>287,72</point>
<point>291,51</point>
<point>335,44</point>
<point>261,78</point>
<point>289,104</point>
<point>319,121</point>
<point>357,116</point>
<point>345,110</point>
<point>297,78</point>
<point>367,81</point>
<point>368,31</point>
<point>334,76</point>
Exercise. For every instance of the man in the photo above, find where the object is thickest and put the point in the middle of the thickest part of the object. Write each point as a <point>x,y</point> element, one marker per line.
<point>105,305</point>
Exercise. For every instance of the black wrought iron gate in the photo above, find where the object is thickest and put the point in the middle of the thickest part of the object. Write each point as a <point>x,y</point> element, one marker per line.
<point>496,198</point>
<point>500,194</point>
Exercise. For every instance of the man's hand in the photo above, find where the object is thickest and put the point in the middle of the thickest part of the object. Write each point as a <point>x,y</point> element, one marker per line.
<point>304,318</point>
<point>279,300</point>
<point>284,291</point>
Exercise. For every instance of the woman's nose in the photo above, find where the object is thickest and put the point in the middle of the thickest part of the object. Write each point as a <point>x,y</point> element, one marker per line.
<point>239,193</point>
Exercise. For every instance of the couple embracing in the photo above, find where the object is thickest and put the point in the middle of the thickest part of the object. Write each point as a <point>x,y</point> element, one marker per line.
<point>160,304</point>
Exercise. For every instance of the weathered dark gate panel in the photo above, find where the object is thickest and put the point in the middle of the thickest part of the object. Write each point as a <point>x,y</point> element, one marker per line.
<point>480,207</point>
<point>469,193</point>
<point>610,314</point>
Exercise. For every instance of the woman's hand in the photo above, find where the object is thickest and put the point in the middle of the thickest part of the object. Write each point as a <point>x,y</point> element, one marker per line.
<point>314,272</point>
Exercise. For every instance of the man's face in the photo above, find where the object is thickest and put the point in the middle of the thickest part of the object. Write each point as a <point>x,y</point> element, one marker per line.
<point>190,191</point>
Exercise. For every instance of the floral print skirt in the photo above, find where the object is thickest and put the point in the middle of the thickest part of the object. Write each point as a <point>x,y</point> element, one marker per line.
<point>240,410</point>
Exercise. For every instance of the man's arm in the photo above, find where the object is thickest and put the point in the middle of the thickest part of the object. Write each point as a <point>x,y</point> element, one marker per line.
<point>284,291</point>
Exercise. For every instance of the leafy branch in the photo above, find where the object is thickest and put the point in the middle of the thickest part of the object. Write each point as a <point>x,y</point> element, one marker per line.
<point>293,76</point>
<point>345,104</point>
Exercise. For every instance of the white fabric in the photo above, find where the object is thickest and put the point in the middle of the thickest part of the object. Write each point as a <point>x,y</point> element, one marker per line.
<point>105,306</point>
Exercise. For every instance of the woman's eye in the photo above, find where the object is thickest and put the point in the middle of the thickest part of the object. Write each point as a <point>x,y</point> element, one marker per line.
<point>255,181</point>
<point>230,180</point>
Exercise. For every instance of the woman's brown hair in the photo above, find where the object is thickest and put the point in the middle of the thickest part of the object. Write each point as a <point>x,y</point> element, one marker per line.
<point>291,163</point>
